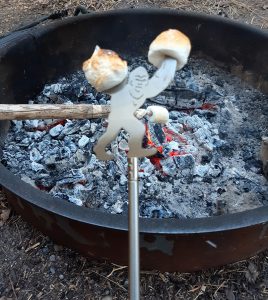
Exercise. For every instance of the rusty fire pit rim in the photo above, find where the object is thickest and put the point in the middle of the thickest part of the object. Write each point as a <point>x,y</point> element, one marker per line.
<point>95,217</point>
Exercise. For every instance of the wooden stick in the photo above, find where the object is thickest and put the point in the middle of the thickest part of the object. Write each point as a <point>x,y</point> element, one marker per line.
<point>58,111</point>
<point>52,111</point>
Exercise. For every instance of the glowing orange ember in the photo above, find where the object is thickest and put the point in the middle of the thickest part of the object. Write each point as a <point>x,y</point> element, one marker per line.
<point>51,125</point>
<point>170,136</point>
<point>209,106</point>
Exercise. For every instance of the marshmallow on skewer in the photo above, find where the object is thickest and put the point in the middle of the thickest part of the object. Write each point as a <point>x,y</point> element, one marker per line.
<point>158,114</point>
<point>105,69</point>
<point>170,43</point>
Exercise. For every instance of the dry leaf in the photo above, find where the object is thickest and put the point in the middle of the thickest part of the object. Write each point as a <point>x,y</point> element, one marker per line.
<point>4,215</point>
<point>43,2</point>
<point>229,294</point>
<point>252,273</point>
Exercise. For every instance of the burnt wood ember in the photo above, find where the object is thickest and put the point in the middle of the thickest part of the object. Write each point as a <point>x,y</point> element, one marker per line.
<point>208,160</point>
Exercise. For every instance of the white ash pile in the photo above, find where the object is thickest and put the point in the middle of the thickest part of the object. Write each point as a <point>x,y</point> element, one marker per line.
<point>208,155</point>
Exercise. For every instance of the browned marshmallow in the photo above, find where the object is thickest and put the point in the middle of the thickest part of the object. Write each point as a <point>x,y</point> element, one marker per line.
<point>105,69</point>
<point>171,43</point>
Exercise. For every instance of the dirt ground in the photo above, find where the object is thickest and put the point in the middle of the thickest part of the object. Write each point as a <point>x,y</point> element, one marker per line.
<point>33,267</point>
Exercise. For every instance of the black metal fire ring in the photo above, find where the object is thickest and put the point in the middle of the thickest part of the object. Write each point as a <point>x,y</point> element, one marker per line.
<point>30,58</point>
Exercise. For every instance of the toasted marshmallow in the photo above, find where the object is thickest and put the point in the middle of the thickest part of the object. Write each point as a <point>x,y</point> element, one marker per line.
<point>172,43</point>
<point>158,114</point>
<point>105,69</point>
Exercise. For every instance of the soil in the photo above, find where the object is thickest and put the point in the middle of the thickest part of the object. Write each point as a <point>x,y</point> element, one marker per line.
<point>33,267</point>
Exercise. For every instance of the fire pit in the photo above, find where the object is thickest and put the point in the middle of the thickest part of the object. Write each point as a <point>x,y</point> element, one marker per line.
<point>33,58</point>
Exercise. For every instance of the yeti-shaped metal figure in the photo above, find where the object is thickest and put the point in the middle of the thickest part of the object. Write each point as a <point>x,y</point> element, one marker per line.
<point>125,100</point>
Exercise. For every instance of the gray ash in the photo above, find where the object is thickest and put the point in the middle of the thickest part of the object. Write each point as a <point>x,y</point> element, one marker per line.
<point>208,160</point>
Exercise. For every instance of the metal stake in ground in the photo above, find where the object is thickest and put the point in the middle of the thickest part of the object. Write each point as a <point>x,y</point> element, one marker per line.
<point>133,225</point>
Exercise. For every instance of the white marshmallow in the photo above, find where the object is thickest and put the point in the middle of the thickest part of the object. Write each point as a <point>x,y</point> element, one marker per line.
<point>158,114</point>
<point>105,69</point>
<point>172,43</point>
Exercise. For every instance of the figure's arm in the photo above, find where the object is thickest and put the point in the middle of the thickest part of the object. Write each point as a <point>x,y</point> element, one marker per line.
<point>162,77</point>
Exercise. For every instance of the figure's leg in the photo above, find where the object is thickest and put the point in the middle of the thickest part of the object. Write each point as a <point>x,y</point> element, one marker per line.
<point>136,130</point>
<point>104,141</point>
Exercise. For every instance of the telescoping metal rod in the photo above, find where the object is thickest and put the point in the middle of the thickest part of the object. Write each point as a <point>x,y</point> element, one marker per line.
<point>133,227</point>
